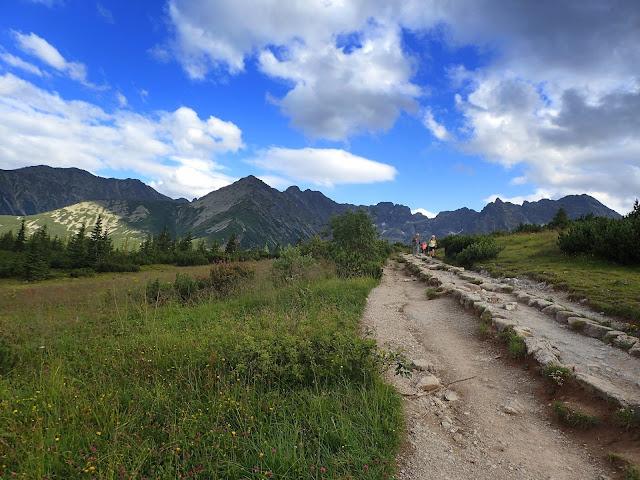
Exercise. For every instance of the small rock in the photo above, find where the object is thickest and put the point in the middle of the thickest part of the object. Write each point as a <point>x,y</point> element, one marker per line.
<point>450,396</point>
<point>625,342</point>
<point>563,315</point>
<point>446,422</point>
<point>510,306</point>
<point>635,350</point>
<point>513,407</point>
<point>423,365</point>
<point>428,383</point>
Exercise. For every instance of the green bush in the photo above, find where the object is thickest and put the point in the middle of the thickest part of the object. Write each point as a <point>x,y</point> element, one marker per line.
<point>477,252</point>
<point>291,265</point>
<point>527,228</point>
<point>607,238</point>
<point>466,250</point>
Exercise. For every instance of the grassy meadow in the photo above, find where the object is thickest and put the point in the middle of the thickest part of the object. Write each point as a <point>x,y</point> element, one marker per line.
<point>100,380</point>
<point>607,286</point>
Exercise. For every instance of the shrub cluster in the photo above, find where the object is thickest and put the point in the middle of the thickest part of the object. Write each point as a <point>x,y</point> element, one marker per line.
<point>607,238</point>
<point>291,265</point>
<point>223,278</point>
<point>466,250</point>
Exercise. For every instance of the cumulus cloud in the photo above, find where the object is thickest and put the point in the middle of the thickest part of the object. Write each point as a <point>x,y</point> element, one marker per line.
<point>347,71</point>
<point>48,54</point>
<point>177,150</point>
<point>323,167</point>
<point>560,98</point>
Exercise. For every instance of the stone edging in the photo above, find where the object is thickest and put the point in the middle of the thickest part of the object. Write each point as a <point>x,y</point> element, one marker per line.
<point>545,353</point>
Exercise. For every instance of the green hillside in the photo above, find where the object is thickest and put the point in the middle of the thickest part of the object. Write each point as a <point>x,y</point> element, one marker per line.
<point>607,286</point>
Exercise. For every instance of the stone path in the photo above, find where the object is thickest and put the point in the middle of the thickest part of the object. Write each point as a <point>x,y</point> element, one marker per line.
<point>555,332</point>
<point>468,415</point>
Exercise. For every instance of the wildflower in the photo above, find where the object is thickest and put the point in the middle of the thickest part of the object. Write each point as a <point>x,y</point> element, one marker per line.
<point>313,469</point>
<point>57,439</point>
<point>261,454</point>
<point>273,451</point>
<point>323,469</point>
<point>366,467</point>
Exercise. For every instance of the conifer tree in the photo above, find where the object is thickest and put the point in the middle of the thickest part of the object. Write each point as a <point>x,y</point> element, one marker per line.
<point>21,238</point>
<point>232,245</point>
<point>77,251</point>
<point>38,251</point>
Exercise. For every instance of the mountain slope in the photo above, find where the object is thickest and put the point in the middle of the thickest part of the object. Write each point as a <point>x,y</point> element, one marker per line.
<point>255,212</point>
<point>32,190</point>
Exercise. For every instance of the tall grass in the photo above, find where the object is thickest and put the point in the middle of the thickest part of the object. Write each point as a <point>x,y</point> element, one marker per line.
<point>269,383</point>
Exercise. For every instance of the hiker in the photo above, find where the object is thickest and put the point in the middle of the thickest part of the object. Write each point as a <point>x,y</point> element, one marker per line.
<point>416,245</point>
<point>424,248</point>
<point>433,244</point>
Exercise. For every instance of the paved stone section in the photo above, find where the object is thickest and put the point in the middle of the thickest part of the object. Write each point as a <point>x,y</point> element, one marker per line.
<point>556,331</point>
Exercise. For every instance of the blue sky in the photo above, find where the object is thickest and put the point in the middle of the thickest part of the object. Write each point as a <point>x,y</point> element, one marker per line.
<point>431,104</point>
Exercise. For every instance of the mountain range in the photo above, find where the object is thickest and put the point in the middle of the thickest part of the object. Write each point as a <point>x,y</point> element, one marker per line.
<point>64,198</point>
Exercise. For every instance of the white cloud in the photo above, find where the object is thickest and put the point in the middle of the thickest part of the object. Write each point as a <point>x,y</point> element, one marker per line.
<point>424,212</point>
<point>175,149</point>
<point>21,64</point>
<point>324,167</point>
<point>346,67</point>
<point>438,130</point>
<point>122,100</point>
<point>560,97</point>
<point>47,53</point>
<point>338,94</point>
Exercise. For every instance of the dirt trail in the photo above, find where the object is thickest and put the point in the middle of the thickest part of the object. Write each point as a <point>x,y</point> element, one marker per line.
<point>463,431</point>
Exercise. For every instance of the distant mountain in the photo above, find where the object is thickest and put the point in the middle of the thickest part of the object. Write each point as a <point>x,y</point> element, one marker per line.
<point>31,190</point>
<point>255,212</point>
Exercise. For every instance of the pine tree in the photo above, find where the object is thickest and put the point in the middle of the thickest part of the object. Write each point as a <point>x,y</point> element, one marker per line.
<point>164,240</point>
<point>77,251</point>
<point>21,239</point>
<point>232,245</point>
<point>38,253</point>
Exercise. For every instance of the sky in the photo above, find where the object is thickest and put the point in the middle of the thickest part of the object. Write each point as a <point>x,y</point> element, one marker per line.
<point>432,104</point>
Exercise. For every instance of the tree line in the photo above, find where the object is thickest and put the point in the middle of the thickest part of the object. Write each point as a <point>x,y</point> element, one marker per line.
<point>33,256</point>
